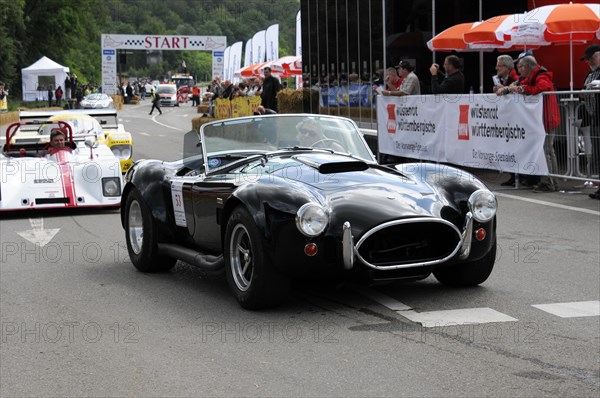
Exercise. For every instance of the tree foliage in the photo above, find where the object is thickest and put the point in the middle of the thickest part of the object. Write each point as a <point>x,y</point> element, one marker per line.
<point>68,31</point>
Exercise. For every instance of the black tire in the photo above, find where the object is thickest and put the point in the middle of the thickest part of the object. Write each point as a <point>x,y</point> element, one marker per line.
<point>140,234</point>
<point>253,280</point>
<point>467,274</point>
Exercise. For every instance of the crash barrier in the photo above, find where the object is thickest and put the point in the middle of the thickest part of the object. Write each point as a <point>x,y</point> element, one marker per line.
<point>487,131</point>
<point>577,138</point>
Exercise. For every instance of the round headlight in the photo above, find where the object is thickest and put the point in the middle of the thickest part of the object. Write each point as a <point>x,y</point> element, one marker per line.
<point>116,151</point>
<point>125,153</point>
<point>312,219</point>
<point>483,205</point>
<point>111,187</point>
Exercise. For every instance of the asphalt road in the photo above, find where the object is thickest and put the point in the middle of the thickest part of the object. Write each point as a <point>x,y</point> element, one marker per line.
<point>78,320</point>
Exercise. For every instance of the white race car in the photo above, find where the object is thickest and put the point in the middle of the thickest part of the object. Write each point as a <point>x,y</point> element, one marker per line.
<point>104,122</point>
<point>85,173</point>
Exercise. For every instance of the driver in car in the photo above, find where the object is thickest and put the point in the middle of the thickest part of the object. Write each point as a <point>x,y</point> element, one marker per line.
<point>310,134</point>
<point>57,141</point>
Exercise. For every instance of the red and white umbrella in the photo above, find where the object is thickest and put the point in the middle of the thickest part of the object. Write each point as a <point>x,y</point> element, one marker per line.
<point>254,70</point>
<point>492,33</point>
<point>288,66</point>
<point>452,39</point>
<point>558,23</point>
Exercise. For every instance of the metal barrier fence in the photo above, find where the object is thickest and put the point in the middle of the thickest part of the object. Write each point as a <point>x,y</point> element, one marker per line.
<point>577,138</point>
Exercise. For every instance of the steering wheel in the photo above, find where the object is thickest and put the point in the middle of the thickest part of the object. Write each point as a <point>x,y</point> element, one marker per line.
<point>329,146</point>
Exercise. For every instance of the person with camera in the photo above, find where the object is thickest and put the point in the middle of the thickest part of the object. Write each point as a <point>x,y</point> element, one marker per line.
<point>454,80</point>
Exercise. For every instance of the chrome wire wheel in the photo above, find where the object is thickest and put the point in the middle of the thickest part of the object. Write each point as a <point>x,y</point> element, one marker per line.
<point>241,257</point>
<point>136,227</point>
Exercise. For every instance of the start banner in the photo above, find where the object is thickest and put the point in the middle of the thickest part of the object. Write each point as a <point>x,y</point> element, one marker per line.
<point>481,131</point>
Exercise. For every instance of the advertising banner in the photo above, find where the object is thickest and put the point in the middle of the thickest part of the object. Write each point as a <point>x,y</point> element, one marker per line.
<point>110,43</point>
<point>482,131</point>
<point>272,42</point>
<point>501,133</point>
<point>258,47</point>
<point>109,71</point>
<point>412,126</point>
<point>222,108</point>
<point>235,60</point>
<point>218,64</point>
<point>237,107</point>
<point>240,106</point>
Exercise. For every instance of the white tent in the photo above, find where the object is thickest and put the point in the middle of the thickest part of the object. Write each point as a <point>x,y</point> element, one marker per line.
<point>37,77</point>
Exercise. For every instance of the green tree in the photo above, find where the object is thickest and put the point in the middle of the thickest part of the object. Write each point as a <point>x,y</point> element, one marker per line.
<point>12,33</point>
<point>69,31</point>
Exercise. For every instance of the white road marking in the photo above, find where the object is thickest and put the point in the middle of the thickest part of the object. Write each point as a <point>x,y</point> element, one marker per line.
<point>571,310</point>
<point>465,316</point>
<point>545,203</point>
<point>37,234</point>
<point>164,125</point>
<point>432,319</point>
<point>146,134</point>
<point>384,300</point>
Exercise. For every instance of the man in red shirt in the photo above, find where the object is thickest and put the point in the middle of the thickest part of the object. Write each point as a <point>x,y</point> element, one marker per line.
<point>536,79</point>
<point>196,96</point>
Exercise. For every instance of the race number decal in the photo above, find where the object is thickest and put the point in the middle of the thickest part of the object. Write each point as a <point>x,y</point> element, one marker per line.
<point>178,210</point>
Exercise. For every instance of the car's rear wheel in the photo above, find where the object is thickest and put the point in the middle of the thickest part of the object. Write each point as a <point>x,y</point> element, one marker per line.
<point>141,235</point>
<point>467,274</point>
<point>251,276</point>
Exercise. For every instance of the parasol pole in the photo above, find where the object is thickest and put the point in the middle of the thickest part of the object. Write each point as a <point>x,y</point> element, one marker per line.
<point>433,27</point>
<point>480,54</point>
<point>571,62</point>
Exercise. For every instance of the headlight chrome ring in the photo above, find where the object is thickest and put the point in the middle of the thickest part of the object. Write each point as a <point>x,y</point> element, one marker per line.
<point>483,205</point>
<point>312,219</point>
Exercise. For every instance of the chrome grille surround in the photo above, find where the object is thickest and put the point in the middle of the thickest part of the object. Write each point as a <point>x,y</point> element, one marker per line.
<point>449,231</point>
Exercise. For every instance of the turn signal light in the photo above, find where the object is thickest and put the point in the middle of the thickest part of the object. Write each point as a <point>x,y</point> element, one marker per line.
<point>310,249</point>
<point>480,234</point>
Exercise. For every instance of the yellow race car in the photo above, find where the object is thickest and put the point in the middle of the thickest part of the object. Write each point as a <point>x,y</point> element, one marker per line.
<point>102,123</point>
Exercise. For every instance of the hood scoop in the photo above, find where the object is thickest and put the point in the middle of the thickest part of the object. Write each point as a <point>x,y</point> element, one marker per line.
<point>330,163</point>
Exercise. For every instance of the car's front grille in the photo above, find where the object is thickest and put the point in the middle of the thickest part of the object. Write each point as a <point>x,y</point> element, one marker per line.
<point>408,243</point>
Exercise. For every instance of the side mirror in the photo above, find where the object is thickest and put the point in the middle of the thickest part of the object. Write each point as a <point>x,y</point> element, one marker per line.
<point>91,142</point>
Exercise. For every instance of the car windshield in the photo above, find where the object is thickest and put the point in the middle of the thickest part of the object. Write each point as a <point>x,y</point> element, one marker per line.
<point>81,125</point>
<point>170,89</point>
<point>262,134</point>
<point>182,82</point>
<point>96,97</point>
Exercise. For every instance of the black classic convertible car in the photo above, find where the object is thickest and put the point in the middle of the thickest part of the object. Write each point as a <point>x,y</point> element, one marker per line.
<point>270,198</point>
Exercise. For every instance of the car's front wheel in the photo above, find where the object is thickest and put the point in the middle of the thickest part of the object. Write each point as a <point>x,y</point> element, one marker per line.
<point>467,274</point>
<point>250,274</point>
<point>140,235</point>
